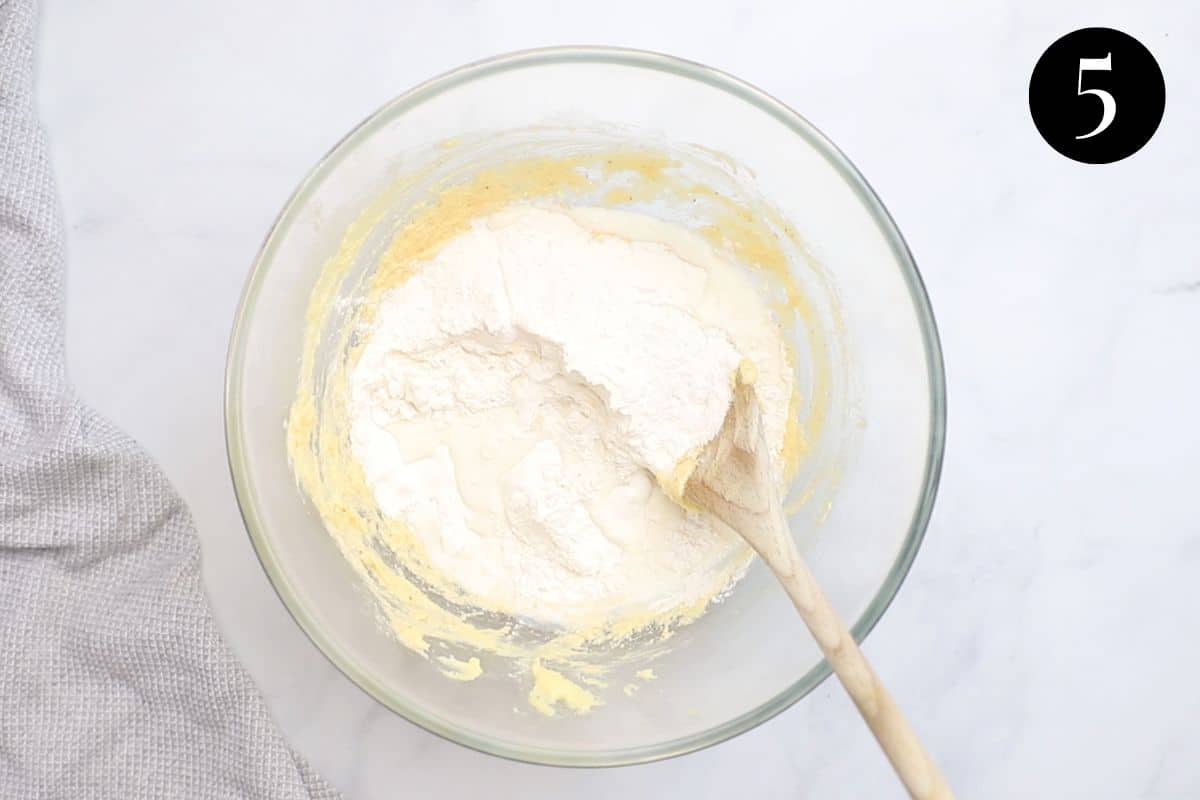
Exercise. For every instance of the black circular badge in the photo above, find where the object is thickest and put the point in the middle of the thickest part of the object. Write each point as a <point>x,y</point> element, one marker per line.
<point>1097,95</point>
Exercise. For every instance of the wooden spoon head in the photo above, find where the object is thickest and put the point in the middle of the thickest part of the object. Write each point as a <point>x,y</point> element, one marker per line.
<point>732,477</point>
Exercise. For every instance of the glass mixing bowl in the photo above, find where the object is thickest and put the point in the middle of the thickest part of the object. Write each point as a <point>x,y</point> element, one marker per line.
<point>749,657</point>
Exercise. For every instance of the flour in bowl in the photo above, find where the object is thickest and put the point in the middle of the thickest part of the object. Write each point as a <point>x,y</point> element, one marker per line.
<point>523,397</point>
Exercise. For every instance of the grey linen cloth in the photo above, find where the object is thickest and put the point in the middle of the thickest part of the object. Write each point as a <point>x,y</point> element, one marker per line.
<point>114,681</point>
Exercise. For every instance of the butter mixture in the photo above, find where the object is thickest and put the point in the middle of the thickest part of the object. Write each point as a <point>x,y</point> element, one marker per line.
<point>524,399</point>
<point>493,418</point>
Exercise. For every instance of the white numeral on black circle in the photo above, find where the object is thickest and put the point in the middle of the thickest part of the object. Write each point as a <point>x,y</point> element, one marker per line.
<point>1109,102</point>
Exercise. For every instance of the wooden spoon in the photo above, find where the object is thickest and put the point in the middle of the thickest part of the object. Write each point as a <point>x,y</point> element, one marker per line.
<point>731,480</point>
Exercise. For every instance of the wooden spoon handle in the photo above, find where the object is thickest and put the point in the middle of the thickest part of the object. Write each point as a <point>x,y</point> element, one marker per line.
<point>899,742</point>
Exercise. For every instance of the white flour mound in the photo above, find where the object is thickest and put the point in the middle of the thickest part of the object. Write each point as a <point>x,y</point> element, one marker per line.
<point>518,395</point>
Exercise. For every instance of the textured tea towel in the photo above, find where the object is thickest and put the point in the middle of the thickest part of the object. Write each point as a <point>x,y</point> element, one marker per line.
<point>114,681</point>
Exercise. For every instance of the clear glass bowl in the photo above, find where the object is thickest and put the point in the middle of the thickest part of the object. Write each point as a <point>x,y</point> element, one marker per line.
<point>749,657</point>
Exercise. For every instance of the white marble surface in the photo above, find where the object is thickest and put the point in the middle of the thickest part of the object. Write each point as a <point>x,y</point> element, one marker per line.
<point>1045,641</point>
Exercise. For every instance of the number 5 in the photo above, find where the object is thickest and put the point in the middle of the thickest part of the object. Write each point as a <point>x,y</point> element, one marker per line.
<point>1110,104</point>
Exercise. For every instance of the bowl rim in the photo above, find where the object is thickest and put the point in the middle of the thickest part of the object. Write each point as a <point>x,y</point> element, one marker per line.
<point>645,59</point>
